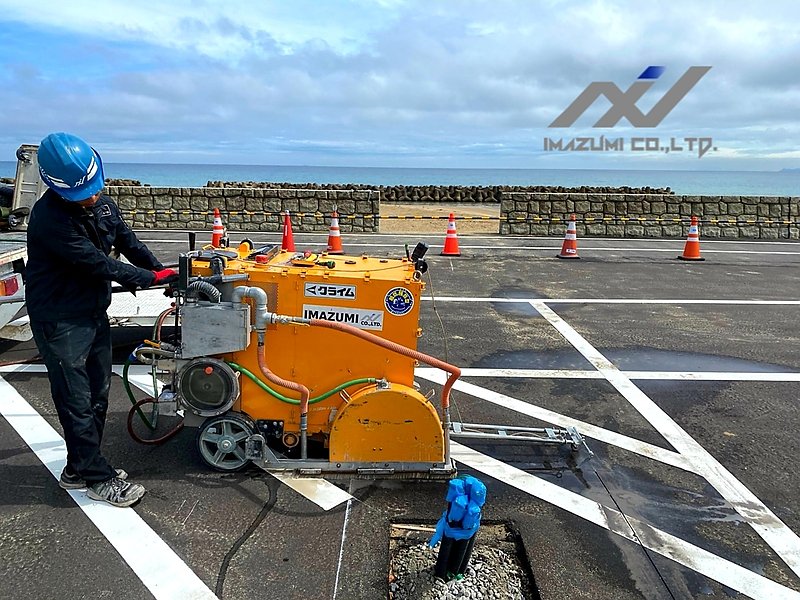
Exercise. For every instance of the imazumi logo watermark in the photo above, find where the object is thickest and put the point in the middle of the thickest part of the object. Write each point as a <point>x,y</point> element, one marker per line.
<point>623,104</point>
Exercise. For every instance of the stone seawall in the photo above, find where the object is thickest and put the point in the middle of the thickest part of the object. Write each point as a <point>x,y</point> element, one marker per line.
<point>529,212</point>
<point>246,209</point>
<point>651,215</point>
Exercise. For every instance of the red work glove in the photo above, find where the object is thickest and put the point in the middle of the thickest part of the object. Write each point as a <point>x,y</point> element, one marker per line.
<point>165,276</point>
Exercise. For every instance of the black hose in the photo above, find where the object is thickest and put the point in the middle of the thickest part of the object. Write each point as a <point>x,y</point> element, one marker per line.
<point>272,486</point>
<point>153,441</point>
<point>205,288</point>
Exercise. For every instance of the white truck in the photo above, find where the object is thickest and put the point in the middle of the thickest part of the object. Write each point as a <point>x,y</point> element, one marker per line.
<point>12,289</point>
<point>15,204</point>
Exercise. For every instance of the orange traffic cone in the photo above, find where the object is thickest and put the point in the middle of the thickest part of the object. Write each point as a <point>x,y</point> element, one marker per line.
<point>335,236</point>
<point>691,250</point>
<point>451,239</point>
<point>569,249</point>
<point>287,242</point>
<point>217,230</point>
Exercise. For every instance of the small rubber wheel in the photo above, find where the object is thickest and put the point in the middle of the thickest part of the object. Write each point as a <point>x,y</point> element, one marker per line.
<point>221,441</point>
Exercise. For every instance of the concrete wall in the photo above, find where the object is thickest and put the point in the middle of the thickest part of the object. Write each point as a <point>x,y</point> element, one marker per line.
<point>651,215</point>
<point>246,209</point>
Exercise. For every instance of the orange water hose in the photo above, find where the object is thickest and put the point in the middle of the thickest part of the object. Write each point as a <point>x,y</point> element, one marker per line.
<point>292,385</point>
<point>454,371</point>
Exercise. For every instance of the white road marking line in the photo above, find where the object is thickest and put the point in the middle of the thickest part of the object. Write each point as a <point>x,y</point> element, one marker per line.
<point>593,431</point>
<point>139,376</point>
<point>693,557</point>
<point>678,246</point>
<point>722,301</point>
<point>320,491</point>
<point>636,375</point>
<point>151,559</point>
<point>276,236</point>
<point>143,380</point>
<point>711,376</point>
<point>23,368</point>
<point>341,545</point>
<point>772,530</point>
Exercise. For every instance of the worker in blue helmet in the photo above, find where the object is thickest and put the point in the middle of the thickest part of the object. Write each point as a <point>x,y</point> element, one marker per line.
<point>71,232</point>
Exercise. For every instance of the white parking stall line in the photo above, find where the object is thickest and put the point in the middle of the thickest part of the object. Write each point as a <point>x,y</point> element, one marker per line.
<point>470,243</point>
<point>635,375</point>
<point>146,236</point>
<point>321,492</point>
<point>720,301</point>
<point>592,431</point>
<point>23,368</point>
<point>530,373</point>
<point>140,375</point>
<point>158,567</point>
<point>711,376</point>
<point>772,530</point>
<point>693,557</point>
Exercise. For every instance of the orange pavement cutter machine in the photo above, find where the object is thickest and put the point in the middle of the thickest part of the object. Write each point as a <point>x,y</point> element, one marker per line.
<point>305,363</point>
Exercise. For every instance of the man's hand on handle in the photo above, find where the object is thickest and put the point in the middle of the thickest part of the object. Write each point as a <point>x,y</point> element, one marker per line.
<point>165,276</point>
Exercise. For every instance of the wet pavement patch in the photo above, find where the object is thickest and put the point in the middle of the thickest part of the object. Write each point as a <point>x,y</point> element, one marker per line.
<point>562,358</point>
<point>498,567</point>
<point>644,359</point>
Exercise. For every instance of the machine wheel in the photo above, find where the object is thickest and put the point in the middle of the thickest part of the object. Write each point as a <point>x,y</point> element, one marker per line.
<point>221,441</point>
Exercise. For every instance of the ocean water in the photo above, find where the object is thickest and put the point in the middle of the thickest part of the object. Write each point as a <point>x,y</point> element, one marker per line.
<point>723,183</point>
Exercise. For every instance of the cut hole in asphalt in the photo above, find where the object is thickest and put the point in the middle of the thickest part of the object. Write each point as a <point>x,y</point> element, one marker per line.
<point>498,567</point>
<point>521,308</point>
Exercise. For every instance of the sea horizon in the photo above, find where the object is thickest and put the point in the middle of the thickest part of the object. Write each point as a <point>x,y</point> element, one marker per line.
<point>785,182</point>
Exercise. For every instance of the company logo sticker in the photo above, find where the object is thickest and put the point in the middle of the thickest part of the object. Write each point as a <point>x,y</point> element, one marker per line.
<point>327,290</point>
<point>363,319</point>
<point>399,301</point>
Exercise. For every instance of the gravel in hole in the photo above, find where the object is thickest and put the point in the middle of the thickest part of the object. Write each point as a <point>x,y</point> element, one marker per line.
<point>494,572</point>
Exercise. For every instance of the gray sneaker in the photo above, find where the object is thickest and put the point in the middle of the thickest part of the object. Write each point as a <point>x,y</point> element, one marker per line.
<point>116,492</point>
<point>73,481</point>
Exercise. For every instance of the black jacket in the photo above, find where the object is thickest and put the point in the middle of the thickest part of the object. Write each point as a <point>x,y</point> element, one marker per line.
<point>69,270</point>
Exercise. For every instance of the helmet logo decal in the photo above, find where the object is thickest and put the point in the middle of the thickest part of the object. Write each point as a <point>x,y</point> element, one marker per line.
<point>59,183</point>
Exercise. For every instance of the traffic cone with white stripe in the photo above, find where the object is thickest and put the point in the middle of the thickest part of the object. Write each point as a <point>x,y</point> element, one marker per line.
<point>691,250</point>
<point>217,230</point>
<point>569,249</point>
<point>335,236</point>
<point>287,241</point>
<point>451,239</point>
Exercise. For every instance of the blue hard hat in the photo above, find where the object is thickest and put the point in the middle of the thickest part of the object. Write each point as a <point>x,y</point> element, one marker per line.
<point>70,167</point>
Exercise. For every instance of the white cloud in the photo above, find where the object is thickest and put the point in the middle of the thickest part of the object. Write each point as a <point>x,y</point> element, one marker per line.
<point>460,81</point>
<point>228,30</point>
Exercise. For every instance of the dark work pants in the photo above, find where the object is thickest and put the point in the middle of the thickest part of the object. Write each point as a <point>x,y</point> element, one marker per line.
<point>77,353</point>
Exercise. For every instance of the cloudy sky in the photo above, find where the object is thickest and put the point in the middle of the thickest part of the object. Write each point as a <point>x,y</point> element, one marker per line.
<point>469,83</point>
